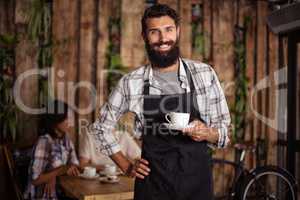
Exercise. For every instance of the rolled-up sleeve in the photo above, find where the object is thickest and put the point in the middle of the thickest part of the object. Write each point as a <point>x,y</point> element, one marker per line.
<point>110,112</point>
<point>40,157</point>
<point>73,155</point>
<point>219,112</point>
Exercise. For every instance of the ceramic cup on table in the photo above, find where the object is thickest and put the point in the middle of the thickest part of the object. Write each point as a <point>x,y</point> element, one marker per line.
<point>110,170</point>
<point>178,119</point>
<point>89,171</point>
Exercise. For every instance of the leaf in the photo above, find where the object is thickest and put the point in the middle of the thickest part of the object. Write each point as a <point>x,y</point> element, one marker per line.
<point>8,39</point>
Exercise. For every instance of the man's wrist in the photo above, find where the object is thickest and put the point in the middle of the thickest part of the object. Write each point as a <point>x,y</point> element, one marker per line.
<point>213,135</point>
<point>121,161</point>
<point>129,170</point>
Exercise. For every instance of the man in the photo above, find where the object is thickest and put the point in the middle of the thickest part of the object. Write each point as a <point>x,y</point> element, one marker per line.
<point>174,164</point>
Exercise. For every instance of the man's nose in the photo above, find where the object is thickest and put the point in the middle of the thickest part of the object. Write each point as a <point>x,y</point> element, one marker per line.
<point>163,36</point>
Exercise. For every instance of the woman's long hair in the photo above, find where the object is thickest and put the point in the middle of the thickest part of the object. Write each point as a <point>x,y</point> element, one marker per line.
<point>57,112</point>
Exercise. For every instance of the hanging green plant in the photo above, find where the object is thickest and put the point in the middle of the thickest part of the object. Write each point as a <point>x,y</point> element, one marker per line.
<point>114,65</point>
<point>8,109</point>
<point>39,30</point>
<point>240,106</point>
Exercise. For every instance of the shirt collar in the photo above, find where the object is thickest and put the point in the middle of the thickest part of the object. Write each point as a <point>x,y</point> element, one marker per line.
<point>182,75</point>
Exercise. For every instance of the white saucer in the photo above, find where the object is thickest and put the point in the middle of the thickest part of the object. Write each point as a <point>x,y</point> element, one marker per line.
<point>117,173</point>
<point>175,127</point>
<point>88,177</point>
<point>106,179</point>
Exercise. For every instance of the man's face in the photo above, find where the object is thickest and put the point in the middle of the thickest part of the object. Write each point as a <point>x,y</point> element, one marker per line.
<point>161,39</point>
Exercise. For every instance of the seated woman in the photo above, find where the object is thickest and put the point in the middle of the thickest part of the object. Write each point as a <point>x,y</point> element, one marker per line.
<point>53,155</point>
<point>89,156</point>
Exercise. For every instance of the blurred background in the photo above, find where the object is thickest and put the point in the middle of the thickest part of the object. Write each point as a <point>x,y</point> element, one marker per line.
<point>77,50</point>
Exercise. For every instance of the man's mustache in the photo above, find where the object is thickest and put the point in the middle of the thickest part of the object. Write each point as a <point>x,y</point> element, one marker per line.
<point>162,43</point>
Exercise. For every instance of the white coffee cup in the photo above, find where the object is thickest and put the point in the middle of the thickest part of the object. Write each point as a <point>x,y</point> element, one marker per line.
<point>89,171</point>
<point>178,119</point>
<point>110,170</point>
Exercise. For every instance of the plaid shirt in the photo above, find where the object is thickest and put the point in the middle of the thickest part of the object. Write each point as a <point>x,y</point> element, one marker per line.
<point>48,154</point>
<point>128,97</point>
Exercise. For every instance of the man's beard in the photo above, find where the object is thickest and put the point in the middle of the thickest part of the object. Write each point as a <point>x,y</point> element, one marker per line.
<point>162,59</point>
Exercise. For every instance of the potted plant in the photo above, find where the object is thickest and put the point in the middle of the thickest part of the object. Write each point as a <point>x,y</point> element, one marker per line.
<point>8,113</point>
<point>8,108</point>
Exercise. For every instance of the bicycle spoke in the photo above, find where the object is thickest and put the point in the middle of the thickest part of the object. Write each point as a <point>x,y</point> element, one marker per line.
<point>268,187</point>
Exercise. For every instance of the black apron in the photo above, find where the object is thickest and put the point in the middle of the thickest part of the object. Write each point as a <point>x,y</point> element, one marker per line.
<point>180,167</point>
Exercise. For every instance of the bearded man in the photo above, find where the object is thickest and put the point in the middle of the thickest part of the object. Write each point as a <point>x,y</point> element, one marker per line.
<point>175,164</point>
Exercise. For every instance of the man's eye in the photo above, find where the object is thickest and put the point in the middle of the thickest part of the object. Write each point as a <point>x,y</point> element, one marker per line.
<point>169,29</point>
<point>153,32</point>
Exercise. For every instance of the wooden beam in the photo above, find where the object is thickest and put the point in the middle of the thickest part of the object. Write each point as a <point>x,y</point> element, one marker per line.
<point>7,17</point>
<point>172,3</point>
<point>272,99</point>
<point>185,12</point>
<point>104,10</point>
<point>25,60</point>
<point>261,65</point>
<point>65,35</point>
<point>250,59</point>
<point>132,45</point>
<point>207,31</point>
<point>223,26</point>
<point>87,59</point>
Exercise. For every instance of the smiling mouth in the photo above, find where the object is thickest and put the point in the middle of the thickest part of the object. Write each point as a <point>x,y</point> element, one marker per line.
<point>164,47</point>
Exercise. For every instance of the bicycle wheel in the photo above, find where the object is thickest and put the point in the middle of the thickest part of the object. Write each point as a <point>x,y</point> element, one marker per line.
<point>223,178</point>
<point>271,183</point>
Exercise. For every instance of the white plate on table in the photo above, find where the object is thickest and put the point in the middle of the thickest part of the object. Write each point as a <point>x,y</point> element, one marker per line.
<point>107,179</point>
<point>175,127</point>
<point>88,177</point>
<point>117,173</point>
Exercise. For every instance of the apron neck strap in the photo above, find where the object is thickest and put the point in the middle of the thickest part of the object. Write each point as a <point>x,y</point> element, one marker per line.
<point>146,90</point>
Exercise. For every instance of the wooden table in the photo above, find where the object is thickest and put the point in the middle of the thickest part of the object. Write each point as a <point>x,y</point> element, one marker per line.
<point>95,190</point>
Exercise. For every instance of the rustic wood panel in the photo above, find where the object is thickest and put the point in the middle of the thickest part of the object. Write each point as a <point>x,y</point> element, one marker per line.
<point>223,24</point>
<point>65,34</point>
<point>197,55</point>
<point>25,59</point>
<point>172,3</point>
<point>104,10</point>
<point>132,46</point>
<point>250,62</point>
<point>3,24</point>
<point>272,100</point>
<point>7,17</point>
<point>80,36</point>
<point>222,52</point>
<point>87,62</point>
<point>208,29</point>
<point>261,60</point>
<point>185,8</point>
<point>261,66</point>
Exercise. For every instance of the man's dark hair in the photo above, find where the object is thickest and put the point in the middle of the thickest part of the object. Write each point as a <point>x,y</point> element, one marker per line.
<point>57,112</point>
<point>158,10</point>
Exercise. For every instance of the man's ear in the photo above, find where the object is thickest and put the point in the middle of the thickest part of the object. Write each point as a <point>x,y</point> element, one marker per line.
<point>178,31</point>
<point>143,36</point>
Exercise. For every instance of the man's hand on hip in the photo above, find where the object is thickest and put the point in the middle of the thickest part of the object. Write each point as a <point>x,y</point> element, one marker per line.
<point>139,169</point>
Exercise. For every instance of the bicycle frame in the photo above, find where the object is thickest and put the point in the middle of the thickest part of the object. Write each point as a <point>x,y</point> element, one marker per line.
<point>240,172</point>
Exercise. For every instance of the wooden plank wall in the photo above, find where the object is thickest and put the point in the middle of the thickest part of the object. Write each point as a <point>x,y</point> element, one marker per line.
<point>25,59</point>
<point>132,45</point>
<point>66,50</point>
<point>80,33</point>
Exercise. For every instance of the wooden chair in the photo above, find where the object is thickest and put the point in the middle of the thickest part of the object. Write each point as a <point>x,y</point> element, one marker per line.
<point>11,167</point>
